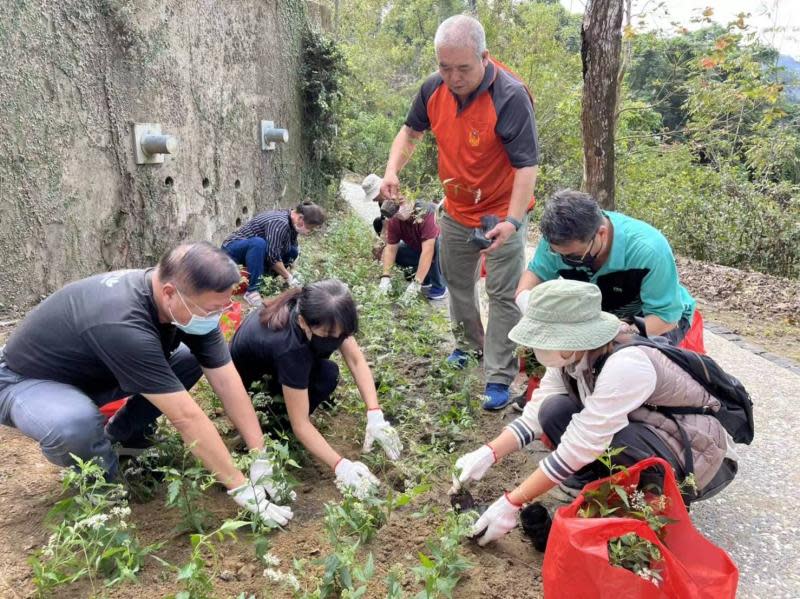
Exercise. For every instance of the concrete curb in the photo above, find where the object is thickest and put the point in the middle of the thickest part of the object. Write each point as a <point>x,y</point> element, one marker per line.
<point>740,341</point>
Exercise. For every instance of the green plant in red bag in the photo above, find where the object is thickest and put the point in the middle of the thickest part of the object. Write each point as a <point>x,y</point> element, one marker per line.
<point>629,536</point>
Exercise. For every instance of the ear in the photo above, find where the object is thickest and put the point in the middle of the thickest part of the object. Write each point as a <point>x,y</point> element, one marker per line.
<point>485,58</point>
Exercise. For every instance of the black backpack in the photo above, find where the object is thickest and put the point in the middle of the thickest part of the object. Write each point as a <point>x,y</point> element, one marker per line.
<point>736,407</point>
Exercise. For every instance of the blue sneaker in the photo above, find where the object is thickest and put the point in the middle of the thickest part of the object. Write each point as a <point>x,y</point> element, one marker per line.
<point>436,293</point>
<point>458,359</point>
<point>497,396</point>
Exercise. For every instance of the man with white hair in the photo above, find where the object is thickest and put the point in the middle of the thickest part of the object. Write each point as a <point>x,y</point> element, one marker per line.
<point>482,117</point>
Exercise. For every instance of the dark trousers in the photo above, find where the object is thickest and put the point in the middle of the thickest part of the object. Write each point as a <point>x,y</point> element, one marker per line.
<point>322,382</point>
<point>639,442</point>
<point>136,419</point>
<point>252,253</point>
<point>676,335</point>
<point>409,258</point>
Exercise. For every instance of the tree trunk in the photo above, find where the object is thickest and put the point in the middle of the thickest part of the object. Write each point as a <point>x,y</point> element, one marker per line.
<point>601,41</point>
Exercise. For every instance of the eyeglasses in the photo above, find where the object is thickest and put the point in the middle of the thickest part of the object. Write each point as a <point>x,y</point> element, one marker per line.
<point>574,259</point>
<point>207,313</point>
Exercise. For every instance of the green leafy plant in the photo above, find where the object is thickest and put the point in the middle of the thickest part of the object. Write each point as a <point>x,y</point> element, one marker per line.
<point>440,570</point>
<point>195,576</point>
<point>92,536</point>
<point>186,485</point>
<point>632,552</point>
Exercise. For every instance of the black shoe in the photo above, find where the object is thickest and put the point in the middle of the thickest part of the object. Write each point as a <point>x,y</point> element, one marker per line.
<point>518,403</point>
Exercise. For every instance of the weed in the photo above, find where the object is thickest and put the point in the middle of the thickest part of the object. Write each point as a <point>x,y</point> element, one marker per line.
<point>92,538</point>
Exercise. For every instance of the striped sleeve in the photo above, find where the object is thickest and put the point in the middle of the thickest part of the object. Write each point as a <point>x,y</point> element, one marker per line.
<point>627,381</point>
<point>526,428</point>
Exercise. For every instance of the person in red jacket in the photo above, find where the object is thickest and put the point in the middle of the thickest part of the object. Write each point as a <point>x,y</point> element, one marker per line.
<point>482,117</point>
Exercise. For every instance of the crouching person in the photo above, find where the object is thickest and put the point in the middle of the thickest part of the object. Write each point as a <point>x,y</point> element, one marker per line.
<point>289,340</point>
<point>592,398</point>
<point>146,333</point>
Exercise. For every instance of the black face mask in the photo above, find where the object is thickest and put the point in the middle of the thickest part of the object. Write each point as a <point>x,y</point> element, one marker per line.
<point>325,346</point>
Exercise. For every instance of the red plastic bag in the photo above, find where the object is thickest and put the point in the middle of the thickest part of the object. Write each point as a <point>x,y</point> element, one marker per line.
<point>576,561</point>
<point>230,321</point>
<point>112,407</point>
<point>241,288</point>
<point>694,338</point>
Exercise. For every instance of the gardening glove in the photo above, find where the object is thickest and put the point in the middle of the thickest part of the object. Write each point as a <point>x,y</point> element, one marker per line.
<point>294,281</point>
<point>254,499</point>
<point>522,300</point>
<point>381,431</point>
<point>472,466</point>
<point>385,285</point>
<point>496,521</point>
<point>260,472</point>
<point>355,476</point>
<point>411,292</point>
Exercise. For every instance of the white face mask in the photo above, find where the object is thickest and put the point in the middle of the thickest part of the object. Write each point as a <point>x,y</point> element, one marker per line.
<point>552,358</point>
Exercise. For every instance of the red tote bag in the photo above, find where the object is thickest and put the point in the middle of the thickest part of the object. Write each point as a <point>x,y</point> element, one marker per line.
<point>576,561</point>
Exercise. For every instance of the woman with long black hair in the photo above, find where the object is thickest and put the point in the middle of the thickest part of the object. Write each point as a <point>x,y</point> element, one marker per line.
<point>290,340</point>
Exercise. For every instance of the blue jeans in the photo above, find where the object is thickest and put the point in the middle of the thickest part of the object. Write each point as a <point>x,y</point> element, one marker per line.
<point>251,253</point>
<point>65,420</point>
<point>409,258</point>
<point>289,257</point>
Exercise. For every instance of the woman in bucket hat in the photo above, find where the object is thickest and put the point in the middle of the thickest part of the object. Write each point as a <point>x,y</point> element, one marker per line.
<point>591,399</point>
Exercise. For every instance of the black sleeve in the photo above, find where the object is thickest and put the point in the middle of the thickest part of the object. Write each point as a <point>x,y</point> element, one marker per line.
<point>417,117</point>
<point>516,123</point>
<point>210,349</point>
<point>294,368</point>
<point>134,356</point>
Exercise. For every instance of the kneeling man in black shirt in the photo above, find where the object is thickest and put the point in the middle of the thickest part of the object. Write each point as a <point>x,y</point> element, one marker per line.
<point>150,334</point>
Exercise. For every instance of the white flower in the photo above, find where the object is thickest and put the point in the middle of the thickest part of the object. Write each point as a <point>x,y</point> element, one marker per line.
<point>649,575</point>
<point>292,581</point>
<point>95,521</point>
<point>121,512</point>
<point>273,575</point>
<point>638,502</point>
<point>271,560</point>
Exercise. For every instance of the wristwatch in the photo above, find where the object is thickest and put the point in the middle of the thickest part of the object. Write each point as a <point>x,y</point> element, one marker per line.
<point>517,223</point>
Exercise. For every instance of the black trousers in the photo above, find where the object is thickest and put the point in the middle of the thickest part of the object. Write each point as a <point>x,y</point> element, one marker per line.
<point>639,442</point>
<point>136,419</point>
<point>322,382</point>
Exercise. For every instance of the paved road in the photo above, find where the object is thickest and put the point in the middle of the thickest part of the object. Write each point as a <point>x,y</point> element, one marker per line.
<point>756,518</point>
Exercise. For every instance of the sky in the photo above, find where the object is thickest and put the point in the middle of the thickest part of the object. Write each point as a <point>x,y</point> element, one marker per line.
<point>776,21</point>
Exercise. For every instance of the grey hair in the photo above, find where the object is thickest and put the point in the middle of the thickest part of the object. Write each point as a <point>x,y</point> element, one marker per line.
<point>461,31</point>
<point>198,267</point>
<point>570,216</point>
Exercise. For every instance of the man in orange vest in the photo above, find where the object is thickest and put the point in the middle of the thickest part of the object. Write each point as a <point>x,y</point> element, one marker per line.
<point>482,117</point>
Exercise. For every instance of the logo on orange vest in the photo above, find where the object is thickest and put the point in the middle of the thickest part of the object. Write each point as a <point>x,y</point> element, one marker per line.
<point>474,138</point>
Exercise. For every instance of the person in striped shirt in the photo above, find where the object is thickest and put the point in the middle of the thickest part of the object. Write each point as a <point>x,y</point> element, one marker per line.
<point>268,243</point>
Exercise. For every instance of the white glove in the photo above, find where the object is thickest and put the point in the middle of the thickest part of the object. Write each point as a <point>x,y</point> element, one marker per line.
<point>411,292</point>
<point>381,431</point>
<point>385,285</point>
<point>522,300</point>
<point>294,281</point>
<point>254,499</point>
<point>356,477</point>
<point>260,476</point>
<point>497,521</point>
<point>472,466</point>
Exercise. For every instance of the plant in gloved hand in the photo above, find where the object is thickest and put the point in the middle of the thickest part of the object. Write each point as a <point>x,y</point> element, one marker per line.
<point>271,469</point>
<point>91,534</point>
